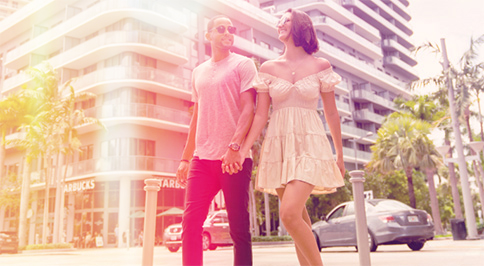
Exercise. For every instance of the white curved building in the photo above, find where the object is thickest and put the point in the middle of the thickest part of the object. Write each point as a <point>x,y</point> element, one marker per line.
<point>137,57</point>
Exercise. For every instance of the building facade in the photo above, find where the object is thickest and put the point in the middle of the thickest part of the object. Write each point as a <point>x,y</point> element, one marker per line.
<point>137,57</point>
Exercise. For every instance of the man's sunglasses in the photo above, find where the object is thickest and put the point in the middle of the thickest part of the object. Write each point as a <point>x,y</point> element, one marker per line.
<point>230,29</point>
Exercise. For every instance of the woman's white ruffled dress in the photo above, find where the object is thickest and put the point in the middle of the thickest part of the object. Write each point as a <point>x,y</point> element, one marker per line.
<point>295,145</point>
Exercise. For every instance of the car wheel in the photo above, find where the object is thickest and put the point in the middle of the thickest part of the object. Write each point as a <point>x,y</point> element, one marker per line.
<point>416,245</point>
<point>173,248</point>
<point>317,240</point>
<point>372,243</point>
<point>206,242</point>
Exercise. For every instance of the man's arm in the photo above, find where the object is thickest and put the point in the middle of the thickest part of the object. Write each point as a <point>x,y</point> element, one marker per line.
<point>182,172</point>
<point>229,159</point>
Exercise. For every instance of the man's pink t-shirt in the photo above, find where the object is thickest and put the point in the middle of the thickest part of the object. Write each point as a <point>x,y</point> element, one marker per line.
<point>216,88</point>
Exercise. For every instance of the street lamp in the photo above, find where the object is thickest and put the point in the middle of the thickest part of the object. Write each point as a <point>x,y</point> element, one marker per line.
<point>355,140</point>
<point>469,209</point>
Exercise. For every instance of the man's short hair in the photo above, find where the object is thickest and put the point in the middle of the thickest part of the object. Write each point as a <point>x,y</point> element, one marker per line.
<point>212,21</point>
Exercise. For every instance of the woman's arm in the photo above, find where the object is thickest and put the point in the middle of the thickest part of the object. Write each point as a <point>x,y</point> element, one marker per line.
<point>260,120</point>
<point>332,118</point>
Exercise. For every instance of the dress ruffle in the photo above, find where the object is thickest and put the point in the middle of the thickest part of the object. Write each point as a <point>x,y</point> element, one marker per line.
<point>296,148</point>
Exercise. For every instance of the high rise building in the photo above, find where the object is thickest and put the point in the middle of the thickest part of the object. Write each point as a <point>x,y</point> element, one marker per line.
<point>8,7</point>
<point>137,57</point>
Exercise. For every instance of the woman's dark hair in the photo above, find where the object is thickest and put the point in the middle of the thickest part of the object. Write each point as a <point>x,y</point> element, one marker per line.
<point>302,31</point>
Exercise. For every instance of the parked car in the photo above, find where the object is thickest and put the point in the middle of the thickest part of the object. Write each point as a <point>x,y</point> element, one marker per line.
<point>389,222</point>
<point>8,242</point>
<point>215,233</point>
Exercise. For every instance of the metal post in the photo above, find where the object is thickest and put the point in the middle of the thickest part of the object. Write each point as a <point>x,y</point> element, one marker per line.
<point>152,186</point>
<point>357,180</point>
<point>466,192</point>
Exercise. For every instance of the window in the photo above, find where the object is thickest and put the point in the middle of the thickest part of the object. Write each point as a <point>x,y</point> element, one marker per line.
<point>86,153</point>
<point>84,105</point>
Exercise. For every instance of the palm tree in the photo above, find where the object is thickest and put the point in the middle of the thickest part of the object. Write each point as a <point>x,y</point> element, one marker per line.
<point>468,78</point>
<point>424,108</point>
<point>399,147</point>
<point>10,113</point>
<point>69,119</point>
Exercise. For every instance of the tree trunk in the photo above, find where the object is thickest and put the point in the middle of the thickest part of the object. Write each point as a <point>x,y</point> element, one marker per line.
<point>453,185</point>
<point>57,209</point>
<point>411,191</point>
<point>24,202</point>
<point>45,223</point>
<point>434,203</point>
<point>267,214</point>
<point>253,211</point>
<point>3,174</point>
<point>474,163</point>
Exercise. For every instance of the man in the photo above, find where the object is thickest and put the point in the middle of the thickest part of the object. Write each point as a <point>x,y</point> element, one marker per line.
<point>223,113</point>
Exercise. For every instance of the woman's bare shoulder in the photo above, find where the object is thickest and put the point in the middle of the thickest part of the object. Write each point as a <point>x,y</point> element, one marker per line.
<point>322,63</point>
<point>270,66</point>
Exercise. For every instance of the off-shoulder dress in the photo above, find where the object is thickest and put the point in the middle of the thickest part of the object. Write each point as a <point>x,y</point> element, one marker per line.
<point>295,146</point>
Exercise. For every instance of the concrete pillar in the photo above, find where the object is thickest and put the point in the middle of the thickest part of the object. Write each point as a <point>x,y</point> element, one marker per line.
<point>31,221</point>
<point>357,180</point>
<point>71,207</point>
<point>124,207</point>
<point>152,186</point>
<point>2,217</point>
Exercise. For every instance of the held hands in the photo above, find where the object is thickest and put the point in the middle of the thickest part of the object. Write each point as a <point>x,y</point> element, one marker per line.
<point>232,162</point>
<point>182,173</point>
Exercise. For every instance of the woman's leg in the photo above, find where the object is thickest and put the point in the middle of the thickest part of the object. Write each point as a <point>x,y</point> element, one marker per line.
<point>296,220</point>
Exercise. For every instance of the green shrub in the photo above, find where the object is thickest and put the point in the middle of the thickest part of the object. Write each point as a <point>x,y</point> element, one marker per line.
<point>271,238</point>
<point>47,246</point>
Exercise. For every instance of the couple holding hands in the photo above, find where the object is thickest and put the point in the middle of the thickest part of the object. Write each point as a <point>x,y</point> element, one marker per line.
<point>296,157</point>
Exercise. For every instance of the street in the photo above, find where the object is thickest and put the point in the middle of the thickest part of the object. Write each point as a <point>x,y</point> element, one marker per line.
<point>437,252</point>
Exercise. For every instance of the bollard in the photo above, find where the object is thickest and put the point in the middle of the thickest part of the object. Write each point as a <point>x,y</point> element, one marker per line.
<point>357,180</point>
<point>152,186</point>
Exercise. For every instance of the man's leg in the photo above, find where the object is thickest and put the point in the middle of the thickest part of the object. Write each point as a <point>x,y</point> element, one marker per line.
<point>202,186</point>
<point>236,193</point>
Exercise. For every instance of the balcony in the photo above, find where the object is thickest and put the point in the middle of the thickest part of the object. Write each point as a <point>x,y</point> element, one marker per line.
<point>342,88</point>
<point>142,114</point>
<point>123,165</point>
<point>393,46</point>
<point>363,156</point>
<point>343,108</point>
<point>365,115</point>
<point>399,65</point>
<point>96,17</point>
<point>352,132</point>
<point>360,95</point>
<point>347,36</point>
<point>146,78</point>
<point>111,43</point>
<point>253,16</point>
<point>384,26</point>
<point>13,137</point>
<point>362,69</point>
<point>386,12</point>
<point>398,7</point>
<point>254,49</point>
<point>333,9</point>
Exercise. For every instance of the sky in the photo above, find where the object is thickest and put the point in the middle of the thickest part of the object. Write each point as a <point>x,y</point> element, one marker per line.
<point>456,21</point>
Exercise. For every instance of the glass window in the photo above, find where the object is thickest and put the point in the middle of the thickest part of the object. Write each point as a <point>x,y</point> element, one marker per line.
<point>337,213</point>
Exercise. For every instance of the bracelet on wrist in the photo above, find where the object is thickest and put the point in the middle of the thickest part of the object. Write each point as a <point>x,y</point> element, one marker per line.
<point>184,160</point>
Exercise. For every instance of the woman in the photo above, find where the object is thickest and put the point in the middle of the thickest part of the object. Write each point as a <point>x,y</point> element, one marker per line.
<point>296,157</point>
